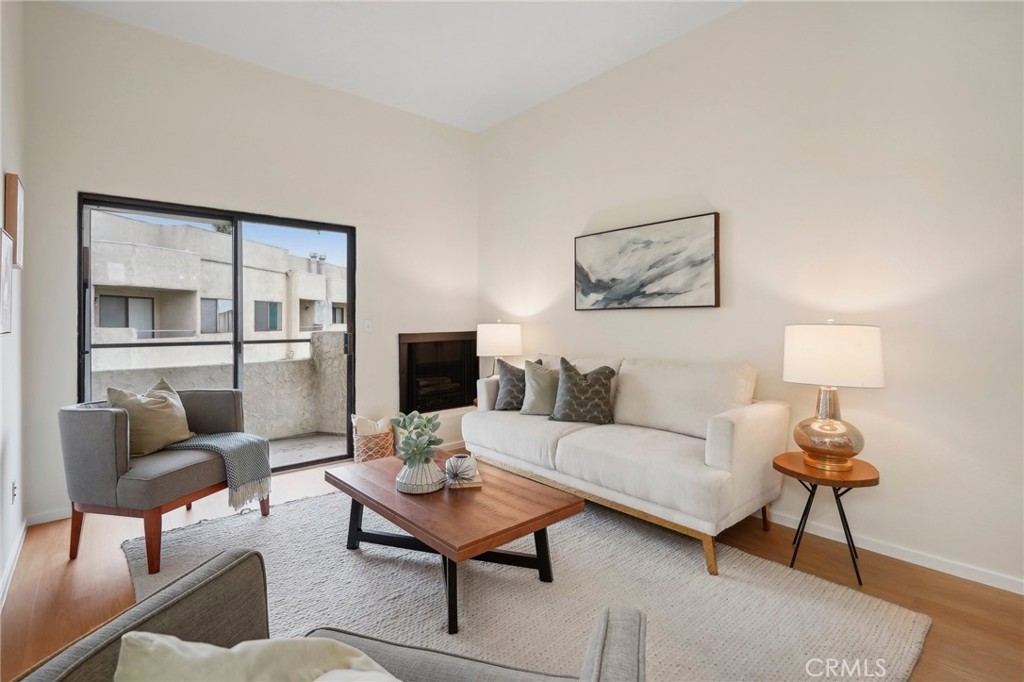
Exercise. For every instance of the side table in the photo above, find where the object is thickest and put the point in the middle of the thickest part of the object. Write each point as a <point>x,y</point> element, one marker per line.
<point>862,475</point>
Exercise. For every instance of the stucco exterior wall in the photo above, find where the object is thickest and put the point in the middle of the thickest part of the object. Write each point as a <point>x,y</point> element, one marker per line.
<point>281,398</point>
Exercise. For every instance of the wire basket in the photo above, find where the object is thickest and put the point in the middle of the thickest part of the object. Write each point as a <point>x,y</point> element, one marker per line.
<point>374,446</point>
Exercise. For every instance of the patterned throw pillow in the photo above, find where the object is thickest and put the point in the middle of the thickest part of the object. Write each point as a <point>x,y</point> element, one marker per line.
<point>541,389</point>
<point>511,386</point>
<point>583,397</point>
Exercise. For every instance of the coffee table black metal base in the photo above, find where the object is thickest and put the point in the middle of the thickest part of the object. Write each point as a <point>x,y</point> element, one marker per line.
<point>811,489</point>
<point>541,561</point>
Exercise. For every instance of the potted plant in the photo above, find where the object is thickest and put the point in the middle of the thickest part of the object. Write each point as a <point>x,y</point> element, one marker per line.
<point>416,448</point>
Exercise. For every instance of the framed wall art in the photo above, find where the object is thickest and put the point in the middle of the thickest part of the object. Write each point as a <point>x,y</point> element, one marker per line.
<point>6,282</point>
<point>14,215</point>
<point>667,264</point>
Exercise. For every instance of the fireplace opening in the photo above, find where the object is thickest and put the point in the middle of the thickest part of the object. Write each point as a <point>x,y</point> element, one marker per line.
<point>437,371</point>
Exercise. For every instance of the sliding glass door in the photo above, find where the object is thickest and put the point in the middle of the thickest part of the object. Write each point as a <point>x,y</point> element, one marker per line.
<point>294,352</point>
<point>208,299</point>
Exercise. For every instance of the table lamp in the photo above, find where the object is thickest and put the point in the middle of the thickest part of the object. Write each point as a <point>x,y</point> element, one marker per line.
<point>831,356</point>
<point>498,340</point>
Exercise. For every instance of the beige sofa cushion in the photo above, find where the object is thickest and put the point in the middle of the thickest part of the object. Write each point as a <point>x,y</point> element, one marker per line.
<point>526,437</point>
<point>658,466</point>
<point>679,397</point>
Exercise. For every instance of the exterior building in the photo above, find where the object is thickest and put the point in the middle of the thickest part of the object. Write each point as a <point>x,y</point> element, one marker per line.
<point>156,282</point>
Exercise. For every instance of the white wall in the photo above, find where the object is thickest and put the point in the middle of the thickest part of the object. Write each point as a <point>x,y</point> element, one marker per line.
<point>119,110</point>
<point>866,160</point>
<point>12,515</point>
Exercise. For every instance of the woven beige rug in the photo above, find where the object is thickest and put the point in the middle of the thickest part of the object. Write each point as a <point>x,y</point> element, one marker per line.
<point>757,620</point>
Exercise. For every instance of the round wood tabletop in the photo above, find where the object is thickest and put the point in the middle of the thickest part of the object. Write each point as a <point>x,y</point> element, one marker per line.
<point>862,475</point>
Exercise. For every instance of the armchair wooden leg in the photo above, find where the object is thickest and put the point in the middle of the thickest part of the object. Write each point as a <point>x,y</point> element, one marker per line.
<point>709,554</point>
<point>76,530</point>
<point>766,523</point>
<point>188,506</point>
<point>151,520</point>
<point>265,506</point>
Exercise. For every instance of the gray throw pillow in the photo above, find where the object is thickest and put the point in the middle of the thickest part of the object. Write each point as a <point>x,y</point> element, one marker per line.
<point>541,389</point>
<point>583,397</point>
<point>511,386</point>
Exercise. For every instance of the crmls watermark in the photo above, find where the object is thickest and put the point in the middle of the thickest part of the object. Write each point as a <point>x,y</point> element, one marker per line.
<point>839,668</point>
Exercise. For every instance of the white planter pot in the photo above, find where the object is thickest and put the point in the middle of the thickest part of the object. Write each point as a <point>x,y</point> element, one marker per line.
<point>461,467</point>
<point>425,477</point>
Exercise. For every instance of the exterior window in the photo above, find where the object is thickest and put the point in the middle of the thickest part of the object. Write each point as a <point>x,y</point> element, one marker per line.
<point>268,316</point>
<point>339,315</point>
<point>216,315</point>
<point>128,311</point>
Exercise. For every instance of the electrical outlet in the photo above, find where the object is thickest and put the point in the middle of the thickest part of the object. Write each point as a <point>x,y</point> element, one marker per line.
<point>14,491</point>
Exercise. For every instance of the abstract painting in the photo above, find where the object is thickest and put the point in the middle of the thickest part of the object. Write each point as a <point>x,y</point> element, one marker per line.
<point>668,264</point>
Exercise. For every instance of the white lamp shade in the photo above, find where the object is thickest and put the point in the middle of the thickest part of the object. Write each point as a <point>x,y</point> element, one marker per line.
<point>499,340</point>
<point>843,355</point>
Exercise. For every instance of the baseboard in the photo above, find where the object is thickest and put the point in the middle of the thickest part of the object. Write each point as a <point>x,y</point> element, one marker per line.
<point>454,445</point>
<point>47,516</point>
<point>12,563</point>
<point>961,570</point>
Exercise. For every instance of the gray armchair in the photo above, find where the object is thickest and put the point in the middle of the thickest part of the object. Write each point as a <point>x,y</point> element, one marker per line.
<point>224,602</point>
<point>103,479</point>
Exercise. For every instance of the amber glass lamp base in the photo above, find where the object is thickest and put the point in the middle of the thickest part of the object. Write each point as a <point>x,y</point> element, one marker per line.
<point>827,441</point>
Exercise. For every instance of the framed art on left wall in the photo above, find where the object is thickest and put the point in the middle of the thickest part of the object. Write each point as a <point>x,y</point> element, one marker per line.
<point>14,215</point>
<point>6,283</point>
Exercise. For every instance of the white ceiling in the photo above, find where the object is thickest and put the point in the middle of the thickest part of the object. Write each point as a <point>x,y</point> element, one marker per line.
<point>470,64</point>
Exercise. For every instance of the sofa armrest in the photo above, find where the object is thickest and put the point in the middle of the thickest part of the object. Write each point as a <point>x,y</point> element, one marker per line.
<point>94,444</point>
<point>213,410</point>
<point>486,394</point>
<point>222,602</point>
<point>748,436</point>
<point>617,649</point>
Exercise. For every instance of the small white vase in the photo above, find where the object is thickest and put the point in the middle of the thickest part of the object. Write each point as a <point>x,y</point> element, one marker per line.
<point>461,467</point>
<point>424,477</point>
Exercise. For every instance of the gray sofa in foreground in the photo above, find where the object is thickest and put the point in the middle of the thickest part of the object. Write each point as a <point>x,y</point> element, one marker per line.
<point>224,602</point>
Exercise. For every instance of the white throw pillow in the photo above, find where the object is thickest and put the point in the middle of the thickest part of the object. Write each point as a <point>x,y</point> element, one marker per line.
<point>367,427</point>
<point>149,657</point>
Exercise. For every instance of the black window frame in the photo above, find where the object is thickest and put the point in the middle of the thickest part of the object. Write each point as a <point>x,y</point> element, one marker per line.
<point>237,342</point>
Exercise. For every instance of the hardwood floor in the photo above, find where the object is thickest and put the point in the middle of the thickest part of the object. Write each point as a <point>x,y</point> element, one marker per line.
<point>977,631</point>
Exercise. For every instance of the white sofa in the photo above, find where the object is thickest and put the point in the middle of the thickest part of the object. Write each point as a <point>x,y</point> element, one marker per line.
<point>689,449</point>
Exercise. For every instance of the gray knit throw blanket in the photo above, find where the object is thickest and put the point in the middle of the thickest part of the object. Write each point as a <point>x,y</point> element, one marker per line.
<point>246,460</point>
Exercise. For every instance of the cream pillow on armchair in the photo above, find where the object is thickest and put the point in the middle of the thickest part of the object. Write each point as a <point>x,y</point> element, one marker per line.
<point>155,418</point>
<point>150,657</point>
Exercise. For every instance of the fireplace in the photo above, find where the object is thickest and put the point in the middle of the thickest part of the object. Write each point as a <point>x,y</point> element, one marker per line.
<point>437,371</point>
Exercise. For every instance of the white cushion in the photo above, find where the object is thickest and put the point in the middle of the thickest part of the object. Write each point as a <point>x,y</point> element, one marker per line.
<point>590,364</point>
<point>367,427</point>
<point>527,437</point>
<point>150,657</point>
<point>549,360</point>
<point>659,466</point>
<point>582,364</point>
<point>679,397</point>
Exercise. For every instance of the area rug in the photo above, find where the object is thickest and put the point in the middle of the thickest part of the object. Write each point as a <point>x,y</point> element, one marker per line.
<point>756,620</point>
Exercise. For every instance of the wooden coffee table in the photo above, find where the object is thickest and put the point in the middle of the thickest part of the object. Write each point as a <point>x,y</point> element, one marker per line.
<point>459,524</point>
